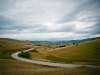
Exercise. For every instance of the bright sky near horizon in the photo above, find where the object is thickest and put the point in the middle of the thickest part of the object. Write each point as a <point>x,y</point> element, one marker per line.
<point>49,19</point>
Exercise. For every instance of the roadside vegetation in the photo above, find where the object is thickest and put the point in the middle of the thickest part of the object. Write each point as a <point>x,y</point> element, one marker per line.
<point>24,54</point>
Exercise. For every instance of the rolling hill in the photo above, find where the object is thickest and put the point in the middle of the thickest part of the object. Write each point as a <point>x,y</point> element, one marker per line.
<point>81,53</point>
<point>9,46</point>
<point>9,66</point>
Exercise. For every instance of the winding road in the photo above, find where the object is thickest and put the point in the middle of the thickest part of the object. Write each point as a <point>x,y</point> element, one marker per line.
<point>15,55</point>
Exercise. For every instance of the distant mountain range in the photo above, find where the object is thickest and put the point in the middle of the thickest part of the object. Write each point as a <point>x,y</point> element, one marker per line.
<point>82,40</point>
<point>62,41</point>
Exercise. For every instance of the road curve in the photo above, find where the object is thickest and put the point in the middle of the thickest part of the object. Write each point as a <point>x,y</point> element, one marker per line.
<point>15,55</point>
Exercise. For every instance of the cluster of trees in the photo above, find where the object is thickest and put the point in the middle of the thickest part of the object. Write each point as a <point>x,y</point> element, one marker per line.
<point>62,46</point>
<point>75,44</point>
<point>24,54</point>
<point>38,45</point>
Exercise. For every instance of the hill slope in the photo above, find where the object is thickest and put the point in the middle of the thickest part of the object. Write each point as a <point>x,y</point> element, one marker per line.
<point>83,53</point>
<point>8,46</point>
<point>16,67</point>
<point>87,52</point>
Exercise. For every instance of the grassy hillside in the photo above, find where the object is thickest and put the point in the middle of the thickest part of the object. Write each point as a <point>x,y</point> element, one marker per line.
<point>83,53</point>
<point>10,66</point>
<point>9,46</point>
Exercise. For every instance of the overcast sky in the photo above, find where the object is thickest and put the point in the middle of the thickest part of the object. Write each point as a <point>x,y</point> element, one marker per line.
<point>49,19</point>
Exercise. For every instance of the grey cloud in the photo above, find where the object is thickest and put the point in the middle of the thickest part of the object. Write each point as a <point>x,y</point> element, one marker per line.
<point>27,16</point>
<point>5,20</point>
<point>4,5</point>
<point>66,28</point>
<point>91,30</point>
<point>8,25</point>
<point>95,29</point>
<point>61,28</point>
<point>90,19</point>
<point>46,29</point>
<point>40,29</point>
<point>89,6</point>
<point>9,32</point>
<point>21,28</point>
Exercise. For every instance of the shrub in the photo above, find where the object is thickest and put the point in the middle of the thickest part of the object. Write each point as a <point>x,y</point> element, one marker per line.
<point>62,46</point>
<point>37,45</point>
<point>24,54</point>
<point>49,46</point>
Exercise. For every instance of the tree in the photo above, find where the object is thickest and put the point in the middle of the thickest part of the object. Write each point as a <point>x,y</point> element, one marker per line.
<point>62,46</point>
<point>24,54</point>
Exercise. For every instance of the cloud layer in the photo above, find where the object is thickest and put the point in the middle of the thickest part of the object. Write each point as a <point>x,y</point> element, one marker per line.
<point>49,19</point>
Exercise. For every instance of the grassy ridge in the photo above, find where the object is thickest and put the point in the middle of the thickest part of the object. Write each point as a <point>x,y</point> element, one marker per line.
<point>83,53</point>
<point>87,52</point>
<point>9,46</point>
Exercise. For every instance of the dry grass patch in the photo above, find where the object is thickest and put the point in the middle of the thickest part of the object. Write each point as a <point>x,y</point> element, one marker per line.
<point>83,53</point>
<point>15,67</point>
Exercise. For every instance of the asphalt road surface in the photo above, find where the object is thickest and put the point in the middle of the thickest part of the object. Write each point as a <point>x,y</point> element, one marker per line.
<point>15,55</point>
